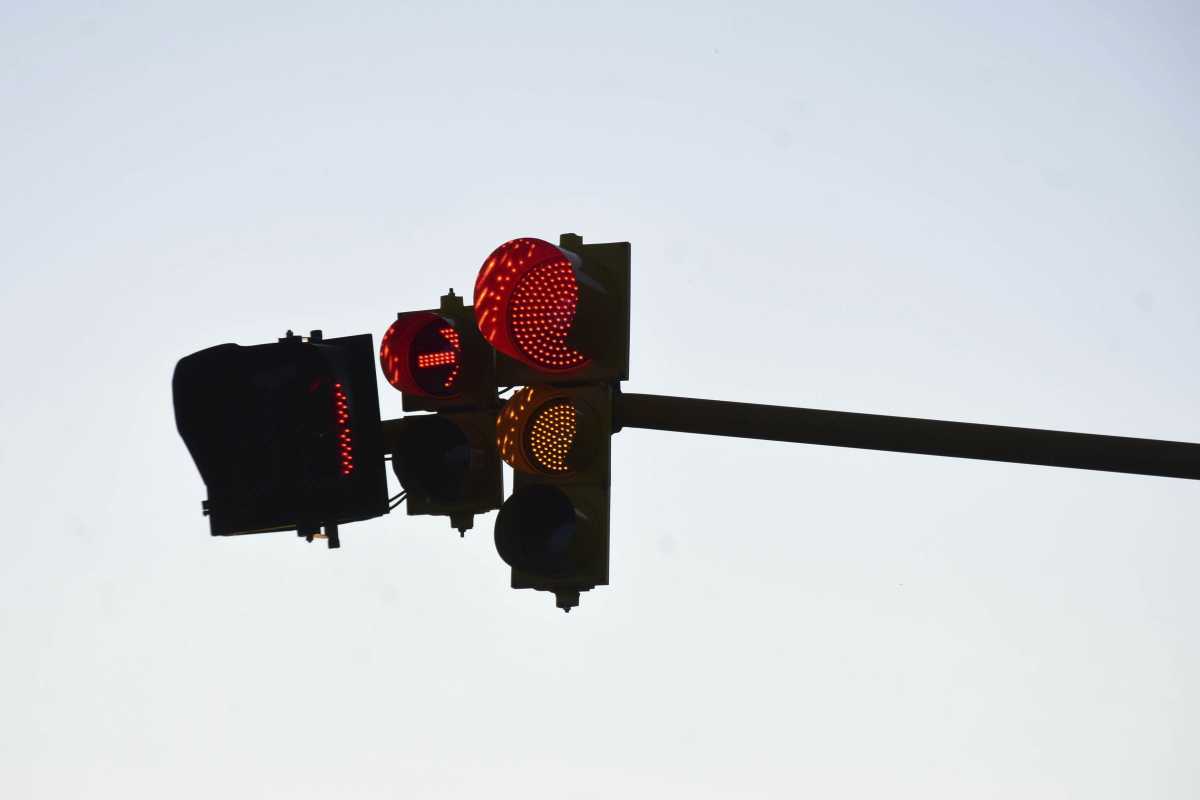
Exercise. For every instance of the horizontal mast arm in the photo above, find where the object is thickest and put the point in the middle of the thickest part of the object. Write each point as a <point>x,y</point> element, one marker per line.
<point>909,435</point>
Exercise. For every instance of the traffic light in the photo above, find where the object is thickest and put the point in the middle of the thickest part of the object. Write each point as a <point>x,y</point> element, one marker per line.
<point>553,531</point>
<point>285,435</point>
<point>558,317</point>
<point>447,461</point>
<point>438,360</point>
<point>556,314</point>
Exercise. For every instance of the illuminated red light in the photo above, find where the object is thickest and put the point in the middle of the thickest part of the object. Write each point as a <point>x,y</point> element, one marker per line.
<point>341,405</point>
<point>526,296</point>
<point>421,354</point>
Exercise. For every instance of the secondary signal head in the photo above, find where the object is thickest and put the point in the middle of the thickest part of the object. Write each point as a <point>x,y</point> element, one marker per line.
<point>432,458</point>
<point>422,354</point>
<point>526,297</point>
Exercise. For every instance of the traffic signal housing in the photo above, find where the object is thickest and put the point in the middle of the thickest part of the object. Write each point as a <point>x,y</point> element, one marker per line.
<point>285,435</point>
<point>558,318</point>
<point>447,461</point>
<point>438,360</point>
<point>553,531</point>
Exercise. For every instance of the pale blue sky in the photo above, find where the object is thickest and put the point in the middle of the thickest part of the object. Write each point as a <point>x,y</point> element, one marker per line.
<point>958,211</point>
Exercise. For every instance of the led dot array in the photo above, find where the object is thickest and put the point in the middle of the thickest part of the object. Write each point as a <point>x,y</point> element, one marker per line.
<point>540,314</point>
<point>551,433</point>
<point>526,293</point>
<point>446,357</point>
<point>426,360</point>
<point>341,406</point>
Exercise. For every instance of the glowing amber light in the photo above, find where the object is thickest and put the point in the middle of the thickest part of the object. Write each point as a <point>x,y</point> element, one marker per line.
<point>345,440</point>
<point>538,429</point>
<point>551,432</point>
<point>525,301</point>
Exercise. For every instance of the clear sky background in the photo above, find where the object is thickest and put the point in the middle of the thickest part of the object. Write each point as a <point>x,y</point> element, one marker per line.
<point>983,212</point>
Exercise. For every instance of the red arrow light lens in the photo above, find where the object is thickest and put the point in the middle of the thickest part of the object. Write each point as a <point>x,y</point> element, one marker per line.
<point>421,354</point>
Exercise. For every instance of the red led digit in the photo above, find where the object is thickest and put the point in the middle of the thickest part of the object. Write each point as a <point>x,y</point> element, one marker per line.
<point>341,412</point>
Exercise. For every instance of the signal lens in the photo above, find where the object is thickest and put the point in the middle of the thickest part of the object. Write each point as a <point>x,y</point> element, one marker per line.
<point>421,354</point>
<point>545,431</point>
<point>537,531</point>
<point>526,297</point>
<point>433,458</point>
<point>550,435</point>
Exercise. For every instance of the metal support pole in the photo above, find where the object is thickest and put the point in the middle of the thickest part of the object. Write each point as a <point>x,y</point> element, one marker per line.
<point>908,435</point>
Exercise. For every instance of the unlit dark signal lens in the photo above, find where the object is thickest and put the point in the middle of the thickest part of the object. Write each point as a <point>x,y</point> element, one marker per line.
<point>537,531</point>
<point>433,458</point>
